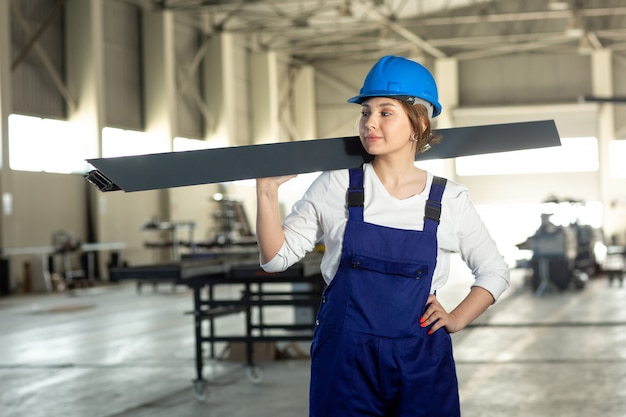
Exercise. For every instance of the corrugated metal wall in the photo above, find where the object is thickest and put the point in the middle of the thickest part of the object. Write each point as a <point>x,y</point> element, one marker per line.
<point>123,66</point>
<point>34,92</point>
<point>524,79</point>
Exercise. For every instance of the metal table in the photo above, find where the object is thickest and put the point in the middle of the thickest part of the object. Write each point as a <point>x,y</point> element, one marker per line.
<point>202,275</point>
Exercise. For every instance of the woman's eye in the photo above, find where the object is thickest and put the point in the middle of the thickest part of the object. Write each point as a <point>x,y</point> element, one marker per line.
<point>364,114</point>
<point>385,113</point>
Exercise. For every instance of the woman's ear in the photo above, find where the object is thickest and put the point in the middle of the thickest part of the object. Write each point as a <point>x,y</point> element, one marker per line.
<point>423,126</point>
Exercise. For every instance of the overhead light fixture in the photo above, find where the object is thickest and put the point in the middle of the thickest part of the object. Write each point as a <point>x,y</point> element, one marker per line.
<point>557,5</point>
<point>575,27</point>
<point>574,32</point>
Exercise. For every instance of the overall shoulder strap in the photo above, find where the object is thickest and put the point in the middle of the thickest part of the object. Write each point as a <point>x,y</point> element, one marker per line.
<point>433,204</point>
<point>355,195</point>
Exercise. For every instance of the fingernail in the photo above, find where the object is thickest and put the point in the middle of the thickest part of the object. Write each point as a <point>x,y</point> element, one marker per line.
<point>422,319</point>
<point>430,331</point>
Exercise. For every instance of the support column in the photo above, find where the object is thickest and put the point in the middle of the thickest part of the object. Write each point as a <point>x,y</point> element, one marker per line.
<point>160,90</point>
<point>85,69</point>
<point>160,77</point>
<point>304,108</point>
<point>264,97</point>
<point>447,77</point>
<point>220,92</point>
<point>5,110</point>
<point>85,82</point>
<point>602,86</point>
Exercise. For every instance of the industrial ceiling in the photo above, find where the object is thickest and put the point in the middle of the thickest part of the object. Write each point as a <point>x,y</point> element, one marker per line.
<point>315,31</point>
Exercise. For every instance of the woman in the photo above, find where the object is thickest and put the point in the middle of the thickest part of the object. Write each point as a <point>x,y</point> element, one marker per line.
<point>382,345</point>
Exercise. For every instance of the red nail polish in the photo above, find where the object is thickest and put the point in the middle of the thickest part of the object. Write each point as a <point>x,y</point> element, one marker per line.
<point>422,319</point>
<point>430,331</point>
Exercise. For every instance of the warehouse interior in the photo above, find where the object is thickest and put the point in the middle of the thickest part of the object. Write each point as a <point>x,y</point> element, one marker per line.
<point>84,79</point>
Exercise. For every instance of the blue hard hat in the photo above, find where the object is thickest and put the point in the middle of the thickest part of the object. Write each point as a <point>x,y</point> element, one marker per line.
<point>394,76</point>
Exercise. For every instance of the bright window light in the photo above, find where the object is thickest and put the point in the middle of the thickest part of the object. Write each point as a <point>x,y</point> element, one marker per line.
<point>45,145</point>
<point>185,144</point>
<point>120,142</point>
<point>574,155</point>
<point>436,166</point>
<point>617,159</point>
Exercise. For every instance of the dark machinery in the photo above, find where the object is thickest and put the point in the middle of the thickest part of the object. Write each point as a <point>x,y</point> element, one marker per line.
<point>553,260</point>
<point>563,255</point>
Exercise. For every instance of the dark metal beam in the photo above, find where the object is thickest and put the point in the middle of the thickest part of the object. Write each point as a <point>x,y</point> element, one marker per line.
<point>178,169</point>
<point>616,99</point>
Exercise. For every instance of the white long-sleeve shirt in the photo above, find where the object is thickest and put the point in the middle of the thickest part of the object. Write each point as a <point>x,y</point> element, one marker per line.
<point>322,213</point>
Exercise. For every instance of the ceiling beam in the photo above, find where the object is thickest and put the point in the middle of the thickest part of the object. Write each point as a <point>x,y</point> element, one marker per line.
<point>514,48</point>
<point>399,29</point>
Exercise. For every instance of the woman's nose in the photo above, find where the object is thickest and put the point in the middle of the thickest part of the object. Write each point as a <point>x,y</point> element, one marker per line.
<point>371,122</point>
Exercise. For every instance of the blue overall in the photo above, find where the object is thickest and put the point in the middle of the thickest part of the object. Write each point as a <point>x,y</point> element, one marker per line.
<point>370,356</point>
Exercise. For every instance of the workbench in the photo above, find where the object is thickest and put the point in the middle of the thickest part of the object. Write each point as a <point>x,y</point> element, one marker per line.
<point>203,274</point>
<point>43,262</point>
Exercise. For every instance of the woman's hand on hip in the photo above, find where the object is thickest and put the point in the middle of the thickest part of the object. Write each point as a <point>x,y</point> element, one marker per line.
<point>437,317</point>
<point>472,306</point>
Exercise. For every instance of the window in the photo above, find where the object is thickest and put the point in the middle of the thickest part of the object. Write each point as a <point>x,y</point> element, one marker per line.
<point>45,145</point>
<point>186,144</point>
<point>574,155</point>
<point>120,142</point>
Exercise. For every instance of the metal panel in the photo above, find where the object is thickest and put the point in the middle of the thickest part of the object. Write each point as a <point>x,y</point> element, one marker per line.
<point>177,169</point>
<point>122,65</point>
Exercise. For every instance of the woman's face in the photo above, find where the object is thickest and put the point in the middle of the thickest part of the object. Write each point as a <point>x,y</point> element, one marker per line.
<point>384,127</point>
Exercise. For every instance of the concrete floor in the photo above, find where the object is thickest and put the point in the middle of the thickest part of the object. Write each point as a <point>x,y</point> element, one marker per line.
<point>108,351</point>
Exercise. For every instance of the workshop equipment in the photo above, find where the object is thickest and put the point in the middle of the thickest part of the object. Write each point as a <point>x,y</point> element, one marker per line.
<point>614,263</point>
<point>563,254</point>
<point>173,230</point>
<point>203,274</point>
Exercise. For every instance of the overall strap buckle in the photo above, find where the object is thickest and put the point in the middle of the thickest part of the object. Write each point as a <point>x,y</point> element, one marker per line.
<point>355,196</point>
<point>433,211</point>
<point>433,204</point>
